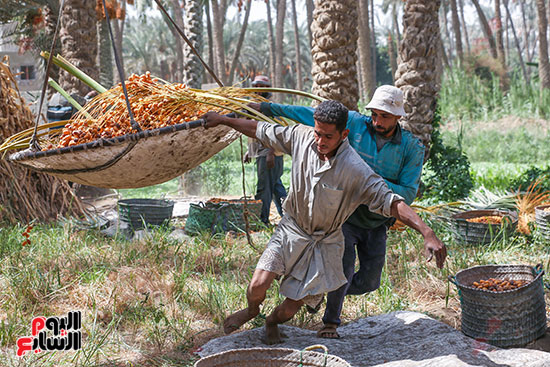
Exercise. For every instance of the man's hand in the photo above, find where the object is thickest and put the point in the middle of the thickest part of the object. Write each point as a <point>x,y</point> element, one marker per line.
<point>270,159</point>
<point>246,157</point>
<point>212,119</point>
<point>247,127</point>
<point>254,105</point>
<point>433,245</point>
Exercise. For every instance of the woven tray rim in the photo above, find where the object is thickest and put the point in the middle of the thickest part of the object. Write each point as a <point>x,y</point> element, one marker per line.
<point>484,212</point>
<point>143,134</point>
<point>305,354</point>
<point>161,203</point>
<point>483,291</point>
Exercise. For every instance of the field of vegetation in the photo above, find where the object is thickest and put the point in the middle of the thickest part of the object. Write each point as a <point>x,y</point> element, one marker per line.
<point>153,301</point>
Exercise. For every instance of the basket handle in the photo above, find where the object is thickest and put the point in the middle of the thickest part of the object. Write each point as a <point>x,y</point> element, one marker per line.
<point>316,346</point>
<point>538,269</point>
<point>452,279</point>
<point>311,347</point>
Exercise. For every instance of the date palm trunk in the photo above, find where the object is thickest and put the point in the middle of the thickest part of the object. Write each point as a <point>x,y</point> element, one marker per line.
<point>279,35</point>
<point>499,35</point>
<point>368,82</point>
<point>240,41</point>
<point>78,44</point>
<point>456,31</point>
<point>544,65</point>
<point>334,31</point>
<point>415,74</point>
<point>299,81</point>
<point>193,71</point>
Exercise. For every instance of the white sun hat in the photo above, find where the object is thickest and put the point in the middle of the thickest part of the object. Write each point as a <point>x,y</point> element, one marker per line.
<point>388,99</point>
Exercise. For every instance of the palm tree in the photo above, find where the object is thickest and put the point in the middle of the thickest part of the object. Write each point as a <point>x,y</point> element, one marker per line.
<point>290,59</point>
<point>78,44</point>
<point>415,74</point>
<point>193,70</point>
<point>279,37</point>
<point>392,56</point>
<point>499,34</point>
<point>456,30</point>
<point>105,56</point>
<point>486,29</point>
<point>309,17</point>
<point>463,22</point>
<point>240,41</point>
<point>334,31</point>
<point>219,8</point>
<point>368,81</point>
<point>518,46</point>
<point>443,17</point>
<point>271,40</point>
<point>544,65</point>
<point>118,29</point>
<point>527,30</point>
<point>298,66</point>
<point>394,4</point>
<point>149,46</point>
<point>177,16</point>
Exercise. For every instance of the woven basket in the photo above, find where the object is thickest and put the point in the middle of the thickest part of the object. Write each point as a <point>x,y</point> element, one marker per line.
<point>205,217</point>
<point>272,357</point>
<point>542,218</point>
<point>234,211</point>
<point>505,319</point>
<point>141,212</point>
<point>483,233</point>
<point>221,215</point>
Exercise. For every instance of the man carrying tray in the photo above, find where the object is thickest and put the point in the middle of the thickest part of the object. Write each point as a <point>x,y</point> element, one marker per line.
<point>328,182</point>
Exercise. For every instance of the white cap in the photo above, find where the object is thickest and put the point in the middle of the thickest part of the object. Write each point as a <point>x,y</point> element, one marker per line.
<point>388,99</point>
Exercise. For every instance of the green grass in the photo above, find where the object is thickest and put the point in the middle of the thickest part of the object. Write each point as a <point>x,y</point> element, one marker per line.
<point>516,146</point>
<point>470,97</point>
<point>496,176</point>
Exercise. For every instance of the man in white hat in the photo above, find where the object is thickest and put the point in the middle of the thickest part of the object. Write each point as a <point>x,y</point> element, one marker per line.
<point>393,153</point>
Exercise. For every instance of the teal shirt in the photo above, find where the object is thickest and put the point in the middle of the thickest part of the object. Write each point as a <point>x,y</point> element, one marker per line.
<point>399,161</point>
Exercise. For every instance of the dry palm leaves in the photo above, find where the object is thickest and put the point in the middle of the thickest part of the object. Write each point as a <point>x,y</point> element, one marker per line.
<point>526,202</point>
<point>26,195</point>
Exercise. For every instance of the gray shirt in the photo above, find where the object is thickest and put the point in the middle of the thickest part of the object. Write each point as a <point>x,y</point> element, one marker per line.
<point>322,195</point>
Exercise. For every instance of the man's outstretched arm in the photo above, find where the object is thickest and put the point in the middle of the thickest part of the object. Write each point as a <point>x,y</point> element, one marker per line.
<point>432,244</point>
<point>245,126</point>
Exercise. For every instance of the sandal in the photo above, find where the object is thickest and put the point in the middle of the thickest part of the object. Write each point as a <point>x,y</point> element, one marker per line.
<point>328,331</point>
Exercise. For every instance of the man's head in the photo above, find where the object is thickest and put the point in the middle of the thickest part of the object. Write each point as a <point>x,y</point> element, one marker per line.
<point>331,118</point>
<point>386,106</point>
<point>262,81</point>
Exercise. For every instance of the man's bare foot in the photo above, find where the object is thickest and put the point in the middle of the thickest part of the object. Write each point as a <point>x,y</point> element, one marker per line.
<point>272,335</point>
<point>234,321</point>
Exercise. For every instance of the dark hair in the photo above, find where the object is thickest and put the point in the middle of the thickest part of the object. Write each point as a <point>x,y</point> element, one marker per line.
<point>332,112</point>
